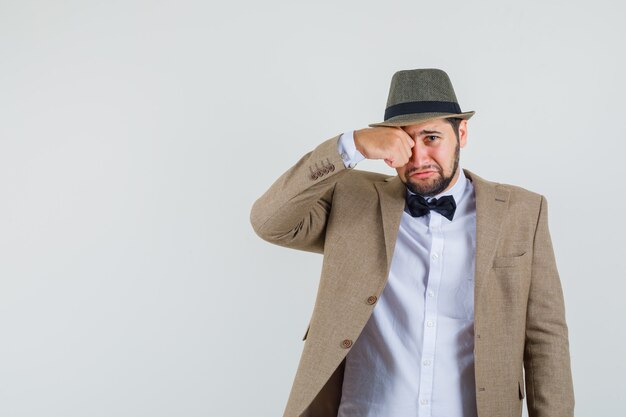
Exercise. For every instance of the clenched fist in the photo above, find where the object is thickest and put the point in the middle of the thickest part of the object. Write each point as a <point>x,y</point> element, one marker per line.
<point>389,143</point>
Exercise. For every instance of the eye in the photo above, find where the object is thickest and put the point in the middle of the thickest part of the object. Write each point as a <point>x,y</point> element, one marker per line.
<point>432,138</point>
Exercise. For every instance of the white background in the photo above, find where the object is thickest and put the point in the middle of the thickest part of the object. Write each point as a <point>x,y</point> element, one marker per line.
<point>135,136</point>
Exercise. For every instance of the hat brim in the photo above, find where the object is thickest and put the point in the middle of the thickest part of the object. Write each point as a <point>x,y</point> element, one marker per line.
<point>417,118</point>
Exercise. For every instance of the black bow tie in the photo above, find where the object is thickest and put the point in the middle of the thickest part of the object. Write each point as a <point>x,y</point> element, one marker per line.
<point>418,206</point>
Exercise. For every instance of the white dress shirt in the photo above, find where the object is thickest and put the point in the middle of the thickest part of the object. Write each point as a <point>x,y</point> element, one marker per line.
<point>415,355</point>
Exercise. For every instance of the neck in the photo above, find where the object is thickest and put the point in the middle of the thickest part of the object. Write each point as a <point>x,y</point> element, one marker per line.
<point>457,174</point>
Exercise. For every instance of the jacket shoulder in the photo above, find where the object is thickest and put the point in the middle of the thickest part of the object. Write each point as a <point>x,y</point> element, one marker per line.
<point>518,197</point>
<point>520,193</point>
<point>362,179</point>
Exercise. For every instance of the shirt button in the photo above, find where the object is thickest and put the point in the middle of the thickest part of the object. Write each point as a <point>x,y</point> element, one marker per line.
<point>431,293</point>
<point>430,323</point>
<point>435,256</point>
<point>344,156</point>
<point>424,402</point>
<point>426,362</point>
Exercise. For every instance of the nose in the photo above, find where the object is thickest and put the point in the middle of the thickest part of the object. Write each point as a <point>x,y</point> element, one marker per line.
<point>419,155</point>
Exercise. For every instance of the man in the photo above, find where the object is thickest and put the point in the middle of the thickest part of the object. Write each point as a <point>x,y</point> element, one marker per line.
<point>438,288</point>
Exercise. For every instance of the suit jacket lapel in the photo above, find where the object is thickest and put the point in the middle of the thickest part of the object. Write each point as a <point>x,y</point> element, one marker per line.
<point>491,206</point>
<point>391,193</point>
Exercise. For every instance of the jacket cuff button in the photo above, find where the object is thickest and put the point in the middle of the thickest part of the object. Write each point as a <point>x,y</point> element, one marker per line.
<point>346,344</point>
<point>372,299</point>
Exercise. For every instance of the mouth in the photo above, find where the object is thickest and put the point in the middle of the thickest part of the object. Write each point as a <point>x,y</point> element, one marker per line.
<point>423,174</point>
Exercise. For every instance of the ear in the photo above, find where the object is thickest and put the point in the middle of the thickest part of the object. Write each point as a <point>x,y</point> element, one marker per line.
<point>462,133</point>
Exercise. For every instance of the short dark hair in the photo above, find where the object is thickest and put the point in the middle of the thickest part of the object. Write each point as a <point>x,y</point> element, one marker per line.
<point>454,122</point>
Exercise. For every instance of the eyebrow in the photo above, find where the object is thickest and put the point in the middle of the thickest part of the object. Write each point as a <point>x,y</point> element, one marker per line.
<point>428,132</point>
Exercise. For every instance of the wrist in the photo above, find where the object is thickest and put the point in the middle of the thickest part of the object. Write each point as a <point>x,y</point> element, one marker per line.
<point>357,141</point>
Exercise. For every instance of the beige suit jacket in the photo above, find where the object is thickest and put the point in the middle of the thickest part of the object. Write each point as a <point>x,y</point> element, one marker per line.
<point>353,216</point>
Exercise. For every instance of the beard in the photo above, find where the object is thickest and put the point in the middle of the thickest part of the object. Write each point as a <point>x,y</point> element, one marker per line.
<point>436,185</point>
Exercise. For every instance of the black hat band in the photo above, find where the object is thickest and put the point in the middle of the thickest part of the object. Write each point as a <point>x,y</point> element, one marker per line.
<point>422,107</point>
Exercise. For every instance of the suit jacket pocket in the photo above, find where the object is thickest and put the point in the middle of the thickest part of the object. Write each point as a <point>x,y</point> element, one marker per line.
<point>509,261</point>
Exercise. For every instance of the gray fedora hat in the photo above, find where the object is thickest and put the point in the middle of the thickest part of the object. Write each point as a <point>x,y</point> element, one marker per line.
<point>418,95</point>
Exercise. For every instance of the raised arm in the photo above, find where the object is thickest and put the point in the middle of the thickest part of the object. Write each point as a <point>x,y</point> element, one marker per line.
<point>294,211</point>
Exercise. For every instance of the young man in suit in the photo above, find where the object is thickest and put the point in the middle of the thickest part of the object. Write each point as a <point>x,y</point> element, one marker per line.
<point>438,287</point>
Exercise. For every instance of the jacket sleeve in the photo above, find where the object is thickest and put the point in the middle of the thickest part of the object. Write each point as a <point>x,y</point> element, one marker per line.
<point>549,385</point>
<point>294,211</point>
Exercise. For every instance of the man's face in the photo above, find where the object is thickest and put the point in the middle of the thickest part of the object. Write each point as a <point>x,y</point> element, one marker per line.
<point>433,166</point>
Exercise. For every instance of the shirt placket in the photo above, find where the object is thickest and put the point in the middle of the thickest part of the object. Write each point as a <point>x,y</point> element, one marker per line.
<point>431,315</point>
